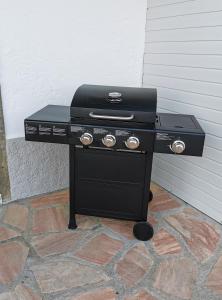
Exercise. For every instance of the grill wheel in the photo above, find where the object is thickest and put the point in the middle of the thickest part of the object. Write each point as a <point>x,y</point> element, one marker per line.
<point>150,196</point>
<point>143,231</point>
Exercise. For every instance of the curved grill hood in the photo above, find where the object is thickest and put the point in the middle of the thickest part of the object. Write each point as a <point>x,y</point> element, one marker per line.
<point>99,104</point>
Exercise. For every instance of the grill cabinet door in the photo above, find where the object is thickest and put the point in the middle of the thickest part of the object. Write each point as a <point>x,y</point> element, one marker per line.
<point>109,183</point>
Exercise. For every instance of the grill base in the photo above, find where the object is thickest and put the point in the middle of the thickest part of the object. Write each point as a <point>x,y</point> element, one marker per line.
<point>109,184</point>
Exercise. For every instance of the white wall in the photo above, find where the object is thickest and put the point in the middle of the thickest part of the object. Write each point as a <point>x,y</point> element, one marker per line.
<point>183,61</point>
<point>50,47</point>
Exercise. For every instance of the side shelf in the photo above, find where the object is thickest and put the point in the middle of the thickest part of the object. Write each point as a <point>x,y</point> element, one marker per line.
<point>178,127</point>
<point>49,125</point>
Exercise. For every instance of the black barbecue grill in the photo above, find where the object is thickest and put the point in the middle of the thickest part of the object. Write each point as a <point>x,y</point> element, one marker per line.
<point>112,133</point>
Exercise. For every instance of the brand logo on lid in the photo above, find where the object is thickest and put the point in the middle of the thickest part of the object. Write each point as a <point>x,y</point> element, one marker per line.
<point>115,97</point>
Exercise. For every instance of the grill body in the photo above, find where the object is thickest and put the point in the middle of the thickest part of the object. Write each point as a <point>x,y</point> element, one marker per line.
<point>112,134</point>
<point>111,184</point>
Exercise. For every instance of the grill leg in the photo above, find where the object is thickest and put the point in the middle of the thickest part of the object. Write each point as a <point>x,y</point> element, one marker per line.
<point>72,216</point>
<point>72,221</point>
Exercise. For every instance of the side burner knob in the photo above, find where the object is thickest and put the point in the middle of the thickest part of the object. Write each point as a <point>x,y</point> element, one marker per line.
<point>178,147</point>
<point>86,138</point>
<point>109,140</point>
<point>132,143</point>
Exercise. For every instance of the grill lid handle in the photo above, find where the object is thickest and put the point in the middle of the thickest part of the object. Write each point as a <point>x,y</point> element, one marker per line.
<point>119,118</point>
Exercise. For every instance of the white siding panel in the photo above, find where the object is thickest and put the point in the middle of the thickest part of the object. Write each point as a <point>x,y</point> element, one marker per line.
<point>187,34</point>
<point>183,60</point>
<point>198,111</point>
<point>206,88</point>
<point>206,19</point>
<point>182,47</point>
<point>188,97</point>
<point>214,140</point>
<point>182,172</point>
<point>205,175</point>
<point>184,8</point>
<point>187,192</point>
<point>154,3</point>
<point>196,74</point>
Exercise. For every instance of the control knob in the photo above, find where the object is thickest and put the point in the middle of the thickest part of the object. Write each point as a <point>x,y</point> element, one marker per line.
<point>178,147</point>
<point>86,138</point>
<point>109,140</point>
<point>132,143</point>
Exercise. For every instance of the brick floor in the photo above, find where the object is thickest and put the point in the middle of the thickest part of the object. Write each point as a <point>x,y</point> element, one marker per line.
<point>41,259</point>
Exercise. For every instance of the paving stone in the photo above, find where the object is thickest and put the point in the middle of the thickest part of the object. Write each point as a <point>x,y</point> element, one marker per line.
<point>25,293</point>
<point>99,294</point>
<point>163,202</point>
<point>13,257</point>
<point>55,243</point>
<point>6,234</point>
<point>61,197</point>
<point>17,216</point>
<point>152,220</point>
<point>156,189</point>
<point>8,296</point>
<point>200,236</point>
<point>214,281</point>
<point>100,250</point>
<point>134,265</point>
<point>165,243</point>
<point>60,275</point>
<point>123,227</point>
<point>86,222</point>
<point>141,295</point>
<point>191,211</point>
<point>52,219</point>
<point>176,277</point>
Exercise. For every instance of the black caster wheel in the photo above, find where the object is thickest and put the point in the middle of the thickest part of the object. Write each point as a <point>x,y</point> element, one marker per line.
<point>150,196</point>
<point>143,231</point>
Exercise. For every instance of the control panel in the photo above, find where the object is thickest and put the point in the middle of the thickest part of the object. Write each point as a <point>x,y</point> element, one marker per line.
<point>178,134</point>
<point>46,132</point>
<point>111,138</point>
<point>179,143</point>
<point>173,133</point>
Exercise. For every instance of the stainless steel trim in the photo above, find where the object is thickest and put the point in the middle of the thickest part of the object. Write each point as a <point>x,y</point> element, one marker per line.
<point>109,140</point>
<point>114,100</point>
<point>178,147</point>
<point>131,151</point>
<point>132,143</point>
<point>115,95</point>
<point>94,116</point>
<point>111,149</point>
<point>86,138</point>
<point>101,148</point>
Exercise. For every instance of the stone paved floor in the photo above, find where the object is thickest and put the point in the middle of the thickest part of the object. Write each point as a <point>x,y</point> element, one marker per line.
<point>101,260</point>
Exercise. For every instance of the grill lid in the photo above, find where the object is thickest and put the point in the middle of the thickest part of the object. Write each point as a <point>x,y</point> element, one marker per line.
<point>114,103</point>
